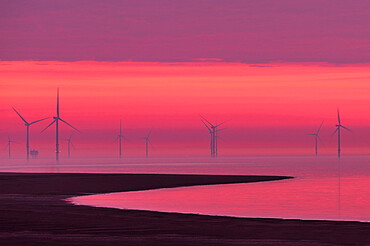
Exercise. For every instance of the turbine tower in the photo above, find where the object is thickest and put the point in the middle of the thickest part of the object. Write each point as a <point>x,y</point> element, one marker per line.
<point>28,130</point>
<point>9,142</point>
<point>211,133</point>
<point>316,134</point>
<point>119,137</point>
<point>56,121</point>
<point>338,126</point>
<point>147,142</point>
<point>69,144</point>
<point>214,135</point>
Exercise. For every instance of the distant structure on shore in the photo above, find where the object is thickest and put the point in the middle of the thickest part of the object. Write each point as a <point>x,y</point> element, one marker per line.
<point>316,136</point>
<point>28,131</point>
<point>213,131</point>
<point>56,121</point>
<point>338,130</point>
<point>34,154</point>
<point>147,142</point>
<point>119,137</point>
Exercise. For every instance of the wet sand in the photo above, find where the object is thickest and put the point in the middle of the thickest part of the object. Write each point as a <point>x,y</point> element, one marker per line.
<point>33,212</point>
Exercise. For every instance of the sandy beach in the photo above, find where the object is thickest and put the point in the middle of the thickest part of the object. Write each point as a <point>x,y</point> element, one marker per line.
<point>34,212</point>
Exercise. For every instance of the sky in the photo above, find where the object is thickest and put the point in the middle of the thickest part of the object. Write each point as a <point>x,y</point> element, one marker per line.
<point>274,70</point>
<point>253,31</point>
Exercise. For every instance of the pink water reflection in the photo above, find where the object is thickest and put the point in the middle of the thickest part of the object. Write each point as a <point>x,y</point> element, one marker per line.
<point>318,192</point>
<point>301,198</point>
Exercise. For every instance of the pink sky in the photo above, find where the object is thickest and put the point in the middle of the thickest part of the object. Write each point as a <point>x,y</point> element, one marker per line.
<point>269,108</point>
<point>275,69</point>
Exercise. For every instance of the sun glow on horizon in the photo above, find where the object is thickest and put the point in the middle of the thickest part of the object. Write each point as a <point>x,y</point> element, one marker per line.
<point>269,107</point>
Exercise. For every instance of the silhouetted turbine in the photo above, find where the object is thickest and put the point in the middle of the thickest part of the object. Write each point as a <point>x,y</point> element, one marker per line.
<point>214,135</point>
<point>9,142</point>
<point>69,144</point>
<point>119,137</point>
<point>147,142</point>
<point>56,121</point>
<point>28,131</point>
<point>338,130</point>
<point>316,136</point>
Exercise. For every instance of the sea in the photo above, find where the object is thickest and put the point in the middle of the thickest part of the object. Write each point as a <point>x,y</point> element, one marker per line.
<point>323,187</point>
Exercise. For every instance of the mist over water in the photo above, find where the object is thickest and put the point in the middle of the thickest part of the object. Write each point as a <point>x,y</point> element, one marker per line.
<point>297,166</point>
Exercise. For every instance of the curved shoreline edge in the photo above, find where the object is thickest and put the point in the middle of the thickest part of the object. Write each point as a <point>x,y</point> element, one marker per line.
<point>73,184</point>
<point>33,212</point>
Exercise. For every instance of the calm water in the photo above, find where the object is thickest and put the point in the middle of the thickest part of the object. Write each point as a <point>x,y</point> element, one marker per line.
<point>324,188</point>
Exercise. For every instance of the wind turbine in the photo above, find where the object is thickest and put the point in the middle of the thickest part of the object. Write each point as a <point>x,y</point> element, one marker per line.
<point>56,121</point>
<point>216,139</point>
<point>28,130</point>
<point>214,135</point>
<point>9,142</point>
<point>69,144</point>
<point>119,137</point>
<point>316,136</point>
<point>211,133</point>
<point>147,142</point>
<point>338,130</point>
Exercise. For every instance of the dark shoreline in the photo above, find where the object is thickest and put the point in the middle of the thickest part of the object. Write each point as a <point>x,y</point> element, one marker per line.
<point>34,212</point>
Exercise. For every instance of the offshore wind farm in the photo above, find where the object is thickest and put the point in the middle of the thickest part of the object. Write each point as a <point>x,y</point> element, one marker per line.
<point>213,130</point>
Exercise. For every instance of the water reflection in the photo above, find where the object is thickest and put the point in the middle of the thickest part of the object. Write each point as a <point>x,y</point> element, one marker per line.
<point>339,191</point>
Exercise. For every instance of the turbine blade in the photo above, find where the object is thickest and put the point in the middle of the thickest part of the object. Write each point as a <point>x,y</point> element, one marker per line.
<point>220,138</point>
<point>120,127</point>
<point>338,116</point>
<point>221,123</point>
<point>346,128</point>
<point>221,129</point>
<point>48,126</point>
<point>151,144</point>
<point>71,135</point>
<point>149,133</point>
<point>115,139</point>
<point>334,132</point>
<point>73,146</point>
<point>206,120</point>
<point>320,127</point>
<point>20,116</point>
<point>319,139</point>
<point>314,134</point>
<point>39,120</point>
<point>69,124</point>
<point>58,102</point>
<point>206,126</point>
